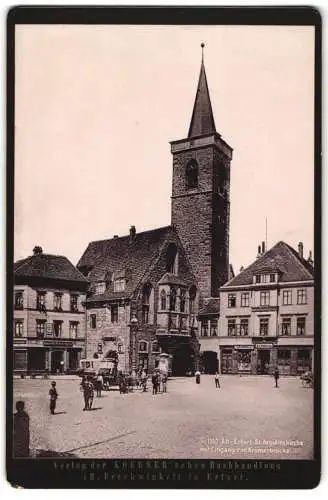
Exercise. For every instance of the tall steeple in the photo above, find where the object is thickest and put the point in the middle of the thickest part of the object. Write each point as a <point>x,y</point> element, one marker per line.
<point>202,120</point>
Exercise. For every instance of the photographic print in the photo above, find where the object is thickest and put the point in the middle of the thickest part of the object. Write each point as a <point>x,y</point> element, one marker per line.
<point>164,255</point>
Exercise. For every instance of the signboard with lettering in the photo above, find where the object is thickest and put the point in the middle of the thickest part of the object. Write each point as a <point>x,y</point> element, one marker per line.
<point>49,330</point>
<point>244,347</point>
<point>265,345</point>
<point>58,343</point>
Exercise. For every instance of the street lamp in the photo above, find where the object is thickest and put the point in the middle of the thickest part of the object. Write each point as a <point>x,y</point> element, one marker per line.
<point>133,341</point>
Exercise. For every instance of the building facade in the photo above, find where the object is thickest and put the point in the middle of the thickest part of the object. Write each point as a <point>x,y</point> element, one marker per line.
<point>266,315</point>
<point>49,314</point>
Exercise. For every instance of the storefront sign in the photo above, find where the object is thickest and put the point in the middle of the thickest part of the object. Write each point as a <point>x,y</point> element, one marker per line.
<point>58,343</point>
<point>265,345</point>
<point>49,330</point>
<point>248,347</point>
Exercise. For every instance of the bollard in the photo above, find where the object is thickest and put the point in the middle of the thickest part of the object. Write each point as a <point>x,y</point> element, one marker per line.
<point>21,434</point>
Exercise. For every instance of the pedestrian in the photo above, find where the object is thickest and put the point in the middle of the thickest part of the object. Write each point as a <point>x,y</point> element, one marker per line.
<point>276,375</point>
<point>158,381</point>
<point>217,380</point>
<point>21,432</point>
<point>154,382</point>
<point>88,393</point>
<point>143,378</point>
<point>197,375</point>
<point>53,397</point>
<point>62,367</point>
<point>100,383</point>
<point>164,382</point>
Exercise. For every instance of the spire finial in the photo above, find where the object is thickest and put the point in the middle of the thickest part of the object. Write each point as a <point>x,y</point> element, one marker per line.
<point>202,46</point>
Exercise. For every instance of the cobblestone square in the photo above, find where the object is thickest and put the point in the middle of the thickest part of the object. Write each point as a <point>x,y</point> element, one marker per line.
<point>246,418</point>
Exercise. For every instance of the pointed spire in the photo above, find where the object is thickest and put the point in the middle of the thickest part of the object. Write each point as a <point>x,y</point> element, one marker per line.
<point>202,120</point>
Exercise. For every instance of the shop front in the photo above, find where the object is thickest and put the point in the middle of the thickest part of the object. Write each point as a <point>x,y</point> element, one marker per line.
<point>294,360</point>
<point>236,359</point>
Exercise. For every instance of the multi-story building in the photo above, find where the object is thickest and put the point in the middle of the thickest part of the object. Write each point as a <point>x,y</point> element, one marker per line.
<point>266,315</point>
<point>49,313</point>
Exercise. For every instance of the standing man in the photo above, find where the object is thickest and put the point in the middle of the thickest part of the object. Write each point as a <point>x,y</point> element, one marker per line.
<point>154,382</point>
<point>164,381</point>
<point>88,393</point>
<point>100,383</point>
<point>21,432</point>
<point>276,375</point>
<point>217,380</point>
<point>143,379</point>
<point>53,397</point>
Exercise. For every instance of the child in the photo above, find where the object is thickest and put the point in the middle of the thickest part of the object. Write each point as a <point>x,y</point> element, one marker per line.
<point>217,380</point>
<point>53,397</point>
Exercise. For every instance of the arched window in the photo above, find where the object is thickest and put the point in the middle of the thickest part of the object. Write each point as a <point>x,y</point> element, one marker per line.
<point>147,300</point>
<point>173,299</point>
<point>192,174</point>
<point>143,346</point>
<point>192,297</point>
<point>163,300</point>
<point>182,301</point>
<point>172,259</point>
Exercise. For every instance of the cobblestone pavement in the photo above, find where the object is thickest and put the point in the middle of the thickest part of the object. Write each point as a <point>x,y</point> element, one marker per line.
<point>246,418</point>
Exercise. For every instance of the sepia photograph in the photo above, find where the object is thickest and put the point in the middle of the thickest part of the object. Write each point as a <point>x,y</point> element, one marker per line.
<point>164,254</point>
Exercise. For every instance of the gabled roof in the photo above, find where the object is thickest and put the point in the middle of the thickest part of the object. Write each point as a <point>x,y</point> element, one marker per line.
<point>172,279</point>
<point>282,258</point>
<point>53,267</point>
<point>120,254</point>
<point>202,120</point>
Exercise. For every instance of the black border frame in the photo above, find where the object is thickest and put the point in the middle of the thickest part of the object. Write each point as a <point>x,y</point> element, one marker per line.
<point>285,474</point>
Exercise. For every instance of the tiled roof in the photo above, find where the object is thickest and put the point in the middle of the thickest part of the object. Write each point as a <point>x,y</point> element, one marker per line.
<point>281,257</point>
<point>119,255</point>
<point>210,306</point>
<point>48,266</point>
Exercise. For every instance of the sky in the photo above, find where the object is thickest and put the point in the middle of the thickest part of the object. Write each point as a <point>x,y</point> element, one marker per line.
<point>96,107</point>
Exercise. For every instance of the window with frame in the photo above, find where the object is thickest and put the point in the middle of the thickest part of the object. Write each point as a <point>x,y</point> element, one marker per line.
<point>232,300</point>
<point>287,297</point>
<point>58,328</point>
<point>73,303</point>
<point>264,298</point>
<point>41,301</point>
<point>214,328</point>
<point>272,278</point>
<point>258,278</point>
<point>114,313</point>
<point>264,327</point>
<point>192,174</point>
<point>300,326</point>
<point>73,329</point>
<point>93,321</point>
<point>232,330</point>
<point>173,299</point>
<point>204,328</point>
<point>155,346</point>
<point>40,328</point>
<point>244,327</point>
<point>182,301</point>
<point>143,346</point>
<point>163,300</point>
<point>301,296</point>
<point>58,302</point>
<point>119,285</point>
<point>19,328</point>
<point>146,294</point>
<point>286,326</point>
<point>19,300</point>
<point>100,287</point>
<point>244,300</point>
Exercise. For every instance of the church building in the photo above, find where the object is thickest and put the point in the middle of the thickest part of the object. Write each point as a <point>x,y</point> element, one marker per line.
<point>150,292</point>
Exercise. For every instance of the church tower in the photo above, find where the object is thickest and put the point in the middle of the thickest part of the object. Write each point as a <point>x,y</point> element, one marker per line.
<point>200,194</point>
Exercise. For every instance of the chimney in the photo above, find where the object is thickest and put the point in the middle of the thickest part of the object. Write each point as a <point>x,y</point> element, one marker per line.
<point>310,261</point>
<point>300,249</point>
<point>115,236</point>
<point>258,251</point>
<point>37,250</point>
<point>132,233</point>
<point>263,246</point>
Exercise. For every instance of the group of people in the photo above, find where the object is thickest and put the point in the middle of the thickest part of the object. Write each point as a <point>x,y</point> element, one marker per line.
<point>159,380</point>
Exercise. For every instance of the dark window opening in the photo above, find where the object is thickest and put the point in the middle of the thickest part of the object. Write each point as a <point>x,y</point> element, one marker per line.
<point>192,174</point>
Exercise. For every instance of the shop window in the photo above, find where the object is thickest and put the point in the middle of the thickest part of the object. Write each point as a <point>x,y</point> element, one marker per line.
<point>143,346</point>
<point>73,303</point>
<point>232,300</point>
<point>301,296</point>
<point>73,329</point>
<point>19,300</point>
<point>58,301</point>
<point>286,326</point>
<point>232,331</point>
<point>163,300</point>
<point>287,297</point>
<point>57,328</point>
<point>93,321</point>
<point>19,328</point>
<point>192,298</point>
<point>244,301</point>
<point>284,356</point>
<point>264,327</point>
<point>265,298</point>
<point>192,174</point>
<point>41,301</point>
<point>244,327</point>
<point>40,328</point>
<point>173,299</point>
<point>114,313</point>
<point>204,328</point>
<point>214,328</point>
<point>300,326</point>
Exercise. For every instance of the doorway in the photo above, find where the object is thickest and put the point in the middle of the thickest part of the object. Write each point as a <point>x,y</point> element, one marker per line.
<point>210,362</point>
<point>56,358</point>
<point>263,362</point>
